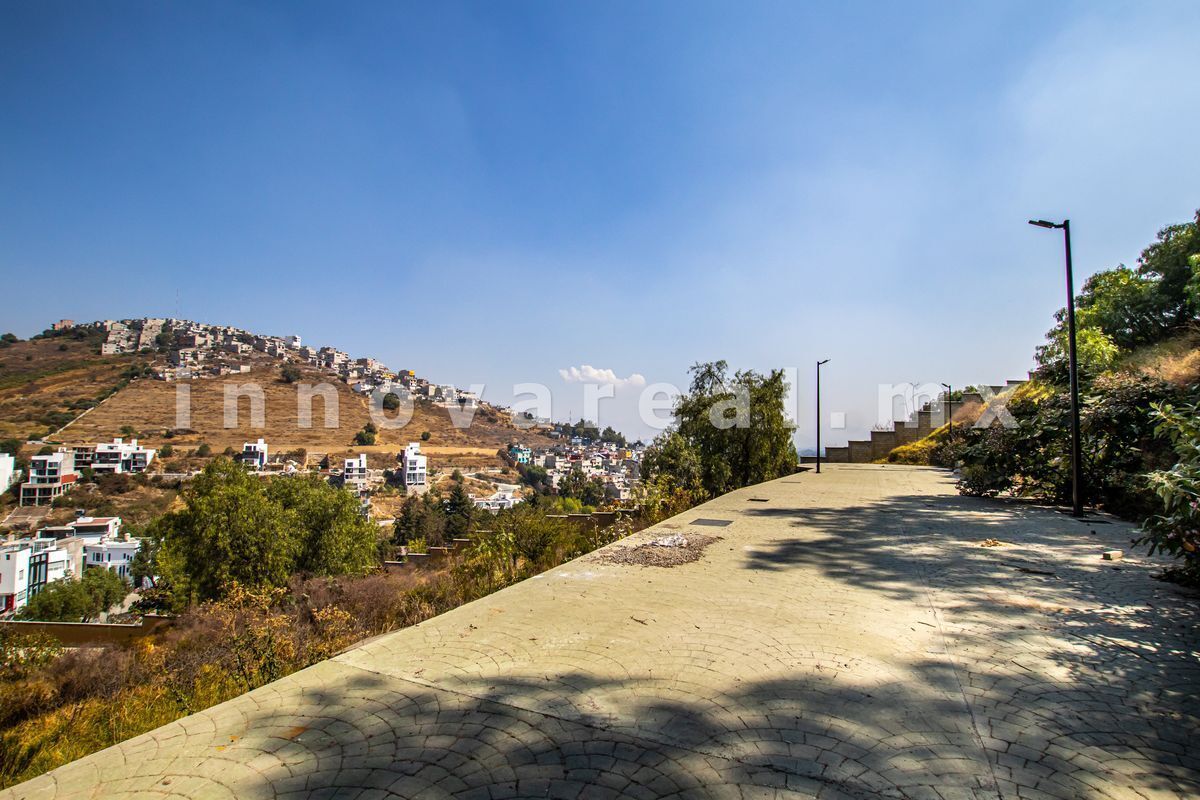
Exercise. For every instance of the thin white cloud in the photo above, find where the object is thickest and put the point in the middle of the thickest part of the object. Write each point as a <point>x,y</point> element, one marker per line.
<point>589,374</point>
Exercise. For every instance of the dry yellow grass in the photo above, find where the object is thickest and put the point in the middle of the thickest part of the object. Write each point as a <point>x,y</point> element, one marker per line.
<point>38,379</point>
<point>148,406</point>
<point>1176,361</point>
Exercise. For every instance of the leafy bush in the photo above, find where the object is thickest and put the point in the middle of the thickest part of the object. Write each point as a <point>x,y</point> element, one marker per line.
<point>70,600</point>
<point>1176,529</point>
<point>237,529</point>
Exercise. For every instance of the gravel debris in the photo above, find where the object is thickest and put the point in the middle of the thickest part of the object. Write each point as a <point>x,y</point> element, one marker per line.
<point>667,551</point>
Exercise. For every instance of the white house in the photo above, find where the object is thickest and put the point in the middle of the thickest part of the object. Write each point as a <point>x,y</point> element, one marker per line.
<point>500,500</point>
<point>112,554</point>
<point>414,470</point>
<point>93,529</point>
<point>8,471</point>
<point>354,473</point>
<point>119,456</point>
<point>254,454</point>
<point>49,476</point>
<point>25,567</point>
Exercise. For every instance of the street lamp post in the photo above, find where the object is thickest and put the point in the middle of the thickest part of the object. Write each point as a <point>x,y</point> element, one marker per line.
<point>819,363</point>
<point>949,408</point>
<point>1076,455</point>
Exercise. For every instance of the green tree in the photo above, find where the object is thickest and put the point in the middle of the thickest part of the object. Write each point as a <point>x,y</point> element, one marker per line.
<point>228,532</point>
<point>290,373</point>
<point>237,529</point>
<point>737,426</point>
<point>391,401</point>
<point>425,436</point>
<point>70,600</point>
<point>1171,262</point>
<point>364,438</point>
<point>460,511</point>
<point>1175,529</point>
<point>334,538</point>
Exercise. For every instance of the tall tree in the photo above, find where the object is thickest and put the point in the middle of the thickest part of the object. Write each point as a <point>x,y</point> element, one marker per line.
<point>736,426</point>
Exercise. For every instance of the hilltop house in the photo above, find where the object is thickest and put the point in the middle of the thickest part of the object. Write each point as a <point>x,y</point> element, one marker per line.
<point>50,475</point>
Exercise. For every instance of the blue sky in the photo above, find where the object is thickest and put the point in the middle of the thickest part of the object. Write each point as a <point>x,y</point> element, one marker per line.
<point>493,192</point>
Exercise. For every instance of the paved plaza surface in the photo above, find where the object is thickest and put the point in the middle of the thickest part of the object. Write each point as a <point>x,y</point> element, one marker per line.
<point>846,636</point>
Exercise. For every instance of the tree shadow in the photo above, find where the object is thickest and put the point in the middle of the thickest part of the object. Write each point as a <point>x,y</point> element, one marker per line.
<point>1073,666</point>
<point>1044,673</point>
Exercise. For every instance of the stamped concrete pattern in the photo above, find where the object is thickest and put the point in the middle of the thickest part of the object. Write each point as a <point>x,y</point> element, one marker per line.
<point>848,636</point>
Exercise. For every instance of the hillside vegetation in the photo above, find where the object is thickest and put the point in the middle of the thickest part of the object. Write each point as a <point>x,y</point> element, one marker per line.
<point>47,381</point>
<point>1138,330</point>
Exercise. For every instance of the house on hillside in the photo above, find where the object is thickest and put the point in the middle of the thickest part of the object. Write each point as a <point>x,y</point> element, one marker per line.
<point>50,475</point>
<point>253,455</point>
<point>414,472</point>
<point>115,555</point>
<point>26,566</point>
<point>500,500</point>
<point>8,471</point>
<point>115,457</point>
<point>93,529</point>
<point>354,473</point>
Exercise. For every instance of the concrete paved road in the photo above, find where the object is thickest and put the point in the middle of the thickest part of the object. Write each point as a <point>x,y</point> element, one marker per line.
<point>847,637</point>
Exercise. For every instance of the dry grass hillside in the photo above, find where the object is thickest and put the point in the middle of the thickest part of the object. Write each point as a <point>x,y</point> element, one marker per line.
<point>148,407</point>
<point>1176,360</point>
<point>46,382</point>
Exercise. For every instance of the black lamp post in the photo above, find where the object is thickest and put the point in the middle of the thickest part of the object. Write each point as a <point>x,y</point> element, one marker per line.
<point>1076,456</point>
<point>949,408</point>
<point>819,363</point>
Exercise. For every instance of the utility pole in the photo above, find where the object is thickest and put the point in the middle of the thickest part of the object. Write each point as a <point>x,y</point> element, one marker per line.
<point>1076,453</point>
<point>819,363</point>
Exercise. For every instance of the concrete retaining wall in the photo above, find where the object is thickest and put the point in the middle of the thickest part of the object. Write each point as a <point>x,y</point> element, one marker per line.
<point>89,634</point>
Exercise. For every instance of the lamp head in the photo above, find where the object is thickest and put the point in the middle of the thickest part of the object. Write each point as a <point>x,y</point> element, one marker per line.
<point>1041,223</point>
<point>826,361</point>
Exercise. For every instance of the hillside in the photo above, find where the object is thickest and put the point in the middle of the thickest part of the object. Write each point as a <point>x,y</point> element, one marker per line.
<point>45,383</point>
<point>1176,360</point>
<point>148,407</point>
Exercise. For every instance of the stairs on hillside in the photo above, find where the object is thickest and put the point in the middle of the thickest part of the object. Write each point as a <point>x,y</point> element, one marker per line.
<point>864,451</point>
